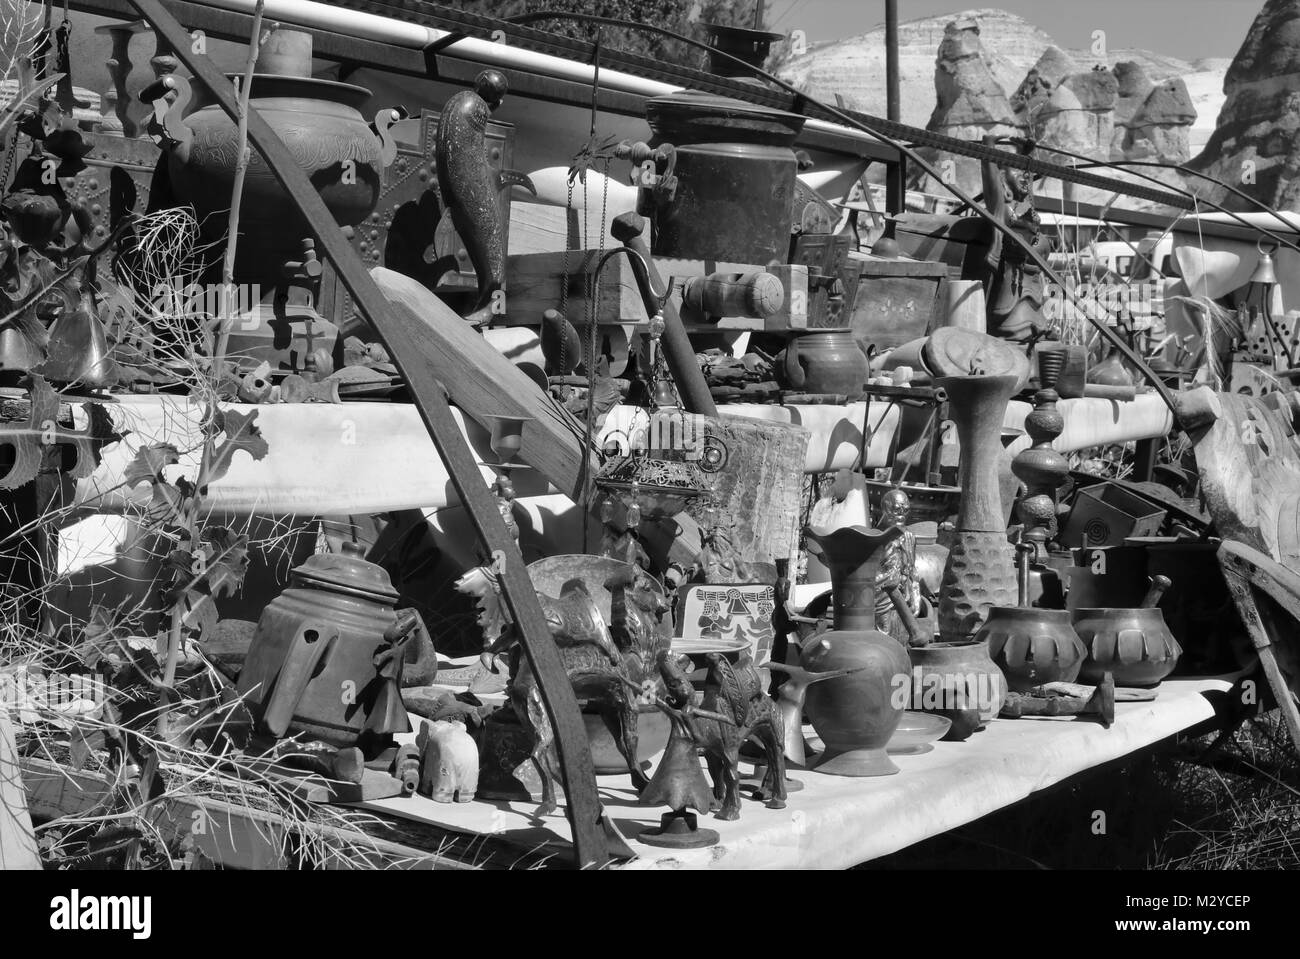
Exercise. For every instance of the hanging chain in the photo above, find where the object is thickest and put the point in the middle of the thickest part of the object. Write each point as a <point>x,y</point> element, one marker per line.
<point>564,284</point>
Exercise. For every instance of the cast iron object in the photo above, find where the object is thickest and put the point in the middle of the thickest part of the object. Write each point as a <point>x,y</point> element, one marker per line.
<point>826,361</point>
<point>326,660</point>
<point>318,120</point>
<point>678,830</point>
<point>855,714</point>
<point>679,354</point>
<point>1135,645</point>
<point>470,186</point>
<point>1038,702</point>
<point>1033,646</point>
<point>958,681</point>
<point>736,173</point>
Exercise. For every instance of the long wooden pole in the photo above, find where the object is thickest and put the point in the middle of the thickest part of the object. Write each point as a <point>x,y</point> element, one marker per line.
<point>255,41</point>
<point>582,802</point>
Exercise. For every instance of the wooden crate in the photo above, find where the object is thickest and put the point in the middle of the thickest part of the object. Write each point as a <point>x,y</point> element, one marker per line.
<point>896,300</point>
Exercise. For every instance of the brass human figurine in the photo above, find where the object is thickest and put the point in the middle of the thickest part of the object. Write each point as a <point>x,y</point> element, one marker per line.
<point>899,566</point>
<point>1014,286</point>
<point>505,493</point>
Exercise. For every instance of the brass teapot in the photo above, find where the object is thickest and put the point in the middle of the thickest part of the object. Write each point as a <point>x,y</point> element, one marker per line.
<point>329,652</point>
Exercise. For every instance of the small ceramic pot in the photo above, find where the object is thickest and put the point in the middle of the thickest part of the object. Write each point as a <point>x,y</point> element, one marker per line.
<point>826,361</point>
<point>957,680</point>
<point>1133,645</point>
<point>1033,646</point>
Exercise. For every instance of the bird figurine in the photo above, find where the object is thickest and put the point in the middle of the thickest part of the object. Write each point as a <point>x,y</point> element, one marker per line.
<point>789,701</point>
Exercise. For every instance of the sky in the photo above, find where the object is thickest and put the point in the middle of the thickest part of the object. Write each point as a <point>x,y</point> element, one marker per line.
<point>1188,29</point>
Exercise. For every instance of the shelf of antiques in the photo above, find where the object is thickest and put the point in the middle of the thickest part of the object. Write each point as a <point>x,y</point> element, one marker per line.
<point>561,465</point>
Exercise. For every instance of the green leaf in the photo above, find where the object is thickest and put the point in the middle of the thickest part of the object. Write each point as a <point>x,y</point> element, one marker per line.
<point>227,561</point>
<point>240,434</point>
<point>149,463</point>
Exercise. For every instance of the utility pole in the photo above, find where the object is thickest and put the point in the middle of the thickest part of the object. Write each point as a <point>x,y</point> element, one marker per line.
<point>892,107</point>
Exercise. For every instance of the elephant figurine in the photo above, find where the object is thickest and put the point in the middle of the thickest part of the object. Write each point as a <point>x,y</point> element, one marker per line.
<point>448,762</point>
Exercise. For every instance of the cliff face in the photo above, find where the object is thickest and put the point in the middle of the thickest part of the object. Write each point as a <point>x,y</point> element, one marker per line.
<point>1256,142</point>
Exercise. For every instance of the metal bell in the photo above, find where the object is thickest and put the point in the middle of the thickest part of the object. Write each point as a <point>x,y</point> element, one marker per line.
<point>78,350</point>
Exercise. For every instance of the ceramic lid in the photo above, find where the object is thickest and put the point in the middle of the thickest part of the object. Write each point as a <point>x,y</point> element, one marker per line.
<point>953,351</point>
<point>347,572</point>
<point>691,116</point>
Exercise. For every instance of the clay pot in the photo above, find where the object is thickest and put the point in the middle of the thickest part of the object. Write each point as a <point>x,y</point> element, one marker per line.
<point>321,124</point>
<point>826,361</point>
<point>855,715</point>
<point>1033,646</point>
<point>958,680</point>
<point>1134,645</point>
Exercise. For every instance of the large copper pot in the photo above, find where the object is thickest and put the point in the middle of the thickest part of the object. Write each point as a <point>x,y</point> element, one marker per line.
<point>735,167</point>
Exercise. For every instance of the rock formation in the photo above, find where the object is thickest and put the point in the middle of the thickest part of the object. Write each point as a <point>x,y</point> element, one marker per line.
<point>854,66</point>
<point>1256,143</point>
<point>970,102</point>
<point>1065,108</point>
<point>1062,106</point>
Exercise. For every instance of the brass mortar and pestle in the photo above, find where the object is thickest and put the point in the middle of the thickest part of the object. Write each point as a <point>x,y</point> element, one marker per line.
<point>1031,645</point>
<point>1135,645</point>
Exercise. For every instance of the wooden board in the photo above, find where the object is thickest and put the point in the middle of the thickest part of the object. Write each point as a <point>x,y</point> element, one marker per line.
<point>535,285</point>
<point>17,838</point>
<point>961,243</point>
<point>1248,459</point>
<point>889,311</point>
<point>1249,466</point>
<point>482,382</point>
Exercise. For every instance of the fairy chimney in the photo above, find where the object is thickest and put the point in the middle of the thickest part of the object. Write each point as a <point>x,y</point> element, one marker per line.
<point>970,102</point>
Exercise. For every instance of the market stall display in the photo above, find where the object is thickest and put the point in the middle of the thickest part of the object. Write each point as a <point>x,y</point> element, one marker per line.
<point>448,521</point>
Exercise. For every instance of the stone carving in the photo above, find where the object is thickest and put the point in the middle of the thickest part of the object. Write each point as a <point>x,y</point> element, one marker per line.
<point>448,762</point>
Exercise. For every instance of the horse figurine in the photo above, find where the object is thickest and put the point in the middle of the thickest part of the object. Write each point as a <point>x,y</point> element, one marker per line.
<point>735,691</point>
<point>606,664</point>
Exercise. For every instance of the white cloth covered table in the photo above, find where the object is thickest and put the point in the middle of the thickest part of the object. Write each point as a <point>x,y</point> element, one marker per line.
<point>834,823</point>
